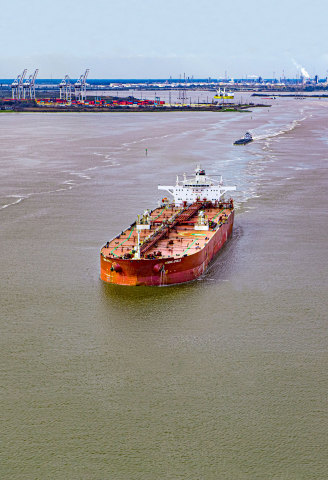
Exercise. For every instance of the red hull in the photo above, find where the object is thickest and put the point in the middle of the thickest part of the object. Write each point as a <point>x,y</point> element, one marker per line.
<point>158,272</point>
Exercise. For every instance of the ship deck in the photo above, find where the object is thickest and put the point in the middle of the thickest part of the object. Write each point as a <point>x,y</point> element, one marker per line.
<point>180,240</point>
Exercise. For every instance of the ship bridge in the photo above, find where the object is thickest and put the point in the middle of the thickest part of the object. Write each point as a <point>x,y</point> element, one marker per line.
<point>198,187</point>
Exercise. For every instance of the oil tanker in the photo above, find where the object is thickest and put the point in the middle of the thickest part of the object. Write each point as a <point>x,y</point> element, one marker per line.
<point>175,242</point>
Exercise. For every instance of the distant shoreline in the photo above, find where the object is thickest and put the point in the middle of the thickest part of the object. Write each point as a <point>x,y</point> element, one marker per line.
<point>188,108</point>
<point>299,94</point>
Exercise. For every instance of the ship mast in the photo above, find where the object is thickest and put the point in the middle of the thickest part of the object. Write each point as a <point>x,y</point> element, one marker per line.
<point>137,255</point>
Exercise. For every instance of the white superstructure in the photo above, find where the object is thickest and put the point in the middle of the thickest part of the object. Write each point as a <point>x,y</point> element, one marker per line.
<point>198,188</point>
<point>223,95</point>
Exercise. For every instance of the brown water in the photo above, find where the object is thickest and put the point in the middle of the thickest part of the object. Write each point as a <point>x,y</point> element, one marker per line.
<point>222,378</point>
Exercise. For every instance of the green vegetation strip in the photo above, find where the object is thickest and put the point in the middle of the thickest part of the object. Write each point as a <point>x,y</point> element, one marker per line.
<point>112,252</point>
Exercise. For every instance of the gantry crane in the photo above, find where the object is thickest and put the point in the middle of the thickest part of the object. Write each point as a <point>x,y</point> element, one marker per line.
<point>65,89</point>
<point>17,86</point>
<point>80,90</point>
<point>29,86</point>
<point>20,87</point>
<point>14,86</point>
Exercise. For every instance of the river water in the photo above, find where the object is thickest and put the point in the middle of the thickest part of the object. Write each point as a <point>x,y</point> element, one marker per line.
<point>223,378</point>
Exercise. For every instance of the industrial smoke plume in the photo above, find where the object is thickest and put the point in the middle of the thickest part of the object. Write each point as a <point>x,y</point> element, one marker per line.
<point>304,73</point>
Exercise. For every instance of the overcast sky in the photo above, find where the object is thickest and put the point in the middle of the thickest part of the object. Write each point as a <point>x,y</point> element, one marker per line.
<point>159,39</point>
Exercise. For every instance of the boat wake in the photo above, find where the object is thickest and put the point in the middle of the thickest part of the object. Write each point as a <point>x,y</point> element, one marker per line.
<point>18,198</point>
<point>65,185</point>
<point>288,128</point>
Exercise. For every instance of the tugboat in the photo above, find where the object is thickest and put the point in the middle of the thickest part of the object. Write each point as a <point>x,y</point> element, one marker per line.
<point>243,141</point>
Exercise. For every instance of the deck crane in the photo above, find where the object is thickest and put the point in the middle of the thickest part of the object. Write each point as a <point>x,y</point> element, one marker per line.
<point>29,86</point>
<point>17,86</point>
<point>65,89</point>
<point>81,86</point>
